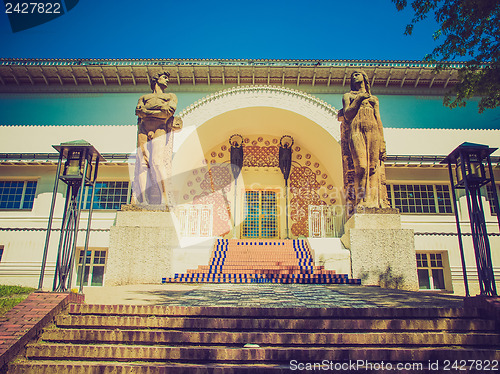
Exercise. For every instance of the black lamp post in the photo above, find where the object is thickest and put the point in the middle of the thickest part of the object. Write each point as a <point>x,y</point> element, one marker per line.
<point>285,164</point>
<point>472,170</point>
<point>79,169</point>
<point>236,143</point>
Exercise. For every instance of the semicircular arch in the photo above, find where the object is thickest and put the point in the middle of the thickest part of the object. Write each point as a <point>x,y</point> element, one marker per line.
<point>292,100</point>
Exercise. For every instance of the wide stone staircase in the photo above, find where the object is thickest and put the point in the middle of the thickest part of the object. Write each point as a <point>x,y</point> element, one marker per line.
<point>262,261</point>
<point>123,339</point>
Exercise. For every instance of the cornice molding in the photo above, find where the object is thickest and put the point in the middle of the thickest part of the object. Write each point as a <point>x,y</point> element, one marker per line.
<point>33,75</point>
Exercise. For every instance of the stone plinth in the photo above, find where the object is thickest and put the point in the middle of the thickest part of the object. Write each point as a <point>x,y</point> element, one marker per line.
<point>382,253</point>
<point>141,247</point>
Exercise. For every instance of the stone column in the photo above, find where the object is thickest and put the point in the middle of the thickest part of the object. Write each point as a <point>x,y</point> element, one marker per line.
<point>382,253</point>
<point>141,244</point>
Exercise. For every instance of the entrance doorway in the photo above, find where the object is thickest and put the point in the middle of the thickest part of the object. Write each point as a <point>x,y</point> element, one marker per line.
<point>260,214</point>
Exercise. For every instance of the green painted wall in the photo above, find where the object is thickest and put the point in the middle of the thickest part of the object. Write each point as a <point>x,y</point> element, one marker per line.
<point>118,109</point>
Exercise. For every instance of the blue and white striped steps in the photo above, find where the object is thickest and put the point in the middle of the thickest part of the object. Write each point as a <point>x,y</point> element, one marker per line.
<point>261,261</point>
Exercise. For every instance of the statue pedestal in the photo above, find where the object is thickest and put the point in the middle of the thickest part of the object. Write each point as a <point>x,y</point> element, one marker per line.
<point>382,253</point>
<point>141,245</point>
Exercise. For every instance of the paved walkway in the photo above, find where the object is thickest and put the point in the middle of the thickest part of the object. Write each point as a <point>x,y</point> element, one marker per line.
<point>267,296</point>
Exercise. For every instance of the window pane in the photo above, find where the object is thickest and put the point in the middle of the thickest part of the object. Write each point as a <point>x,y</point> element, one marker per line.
<point>423,279</point>
<point>108,195</point>
<point>85,278</point>
<point>438,279</point>
<point>422,260</point>
<point>99,257</point>
<point>87,260</point>
<point>11,194</point>
<point>97,275</point>
<point>444,199</point>
<point>433,259</point>
<point>439,262</point>
<point>489,198</point>
<point>422,199</point>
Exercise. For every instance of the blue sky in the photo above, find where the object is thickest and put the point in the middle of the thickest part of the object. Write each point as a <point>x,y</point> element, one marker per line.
<point>276,29</point>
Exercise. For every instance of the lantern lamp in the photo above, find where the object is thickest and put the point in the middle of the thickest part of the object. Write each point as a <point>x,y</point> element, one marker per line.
<point>77,167</point>
<point>472,170</point>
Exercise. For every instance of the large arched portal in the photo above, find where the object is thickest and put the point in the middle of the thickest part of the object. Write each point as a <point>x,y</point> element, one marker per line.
<point>261,115</point>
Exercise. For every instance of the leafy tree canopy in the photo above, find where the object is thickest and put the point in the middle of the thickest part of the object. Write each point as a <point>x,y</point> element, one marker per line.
<point>470,31</point>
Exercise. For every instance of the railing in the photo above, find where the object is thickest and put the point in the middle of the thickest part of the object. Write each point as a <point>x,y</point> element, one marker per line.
<point>326,221</point>
<point>195,220</point>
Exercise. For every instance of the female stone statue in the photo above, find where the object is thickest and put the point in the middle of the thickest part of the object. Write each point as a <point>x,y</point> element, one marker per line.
<point>366,142</point>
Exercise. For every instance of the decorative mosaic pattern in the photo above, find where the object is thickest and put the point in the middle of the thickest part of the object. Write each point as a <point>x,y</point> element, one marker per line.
<point>309,183</point>
<point>260,156</point>
<point>218,177</point>
<point>221,215</point>
<point>304,188</point>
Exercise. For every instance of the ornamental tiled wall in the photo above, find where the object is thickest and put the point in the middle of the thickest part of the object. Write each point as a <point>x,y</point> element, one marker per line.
<point>310,183</point>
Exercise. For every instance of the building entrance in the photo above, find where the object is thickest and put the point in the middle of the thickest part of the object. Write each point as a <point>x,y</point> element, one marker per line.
<point>260,218</point>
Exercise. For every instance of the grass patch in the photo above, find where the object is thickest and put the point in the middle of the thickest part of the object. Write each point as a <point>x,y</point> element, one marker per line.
<point>10,296</point>
<point>14,290</point>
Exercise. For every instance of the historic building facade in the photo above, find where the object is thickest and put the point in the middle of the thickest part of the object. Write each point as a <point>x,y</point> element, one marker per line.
<point>46,102</point>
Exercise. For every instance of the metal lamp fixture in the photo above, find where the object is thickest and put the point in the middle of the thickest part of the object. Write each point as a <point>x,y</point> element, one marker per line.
<point>79,169</point>
<point>285,164</point>
<point>78,162</point>
<point>236,153</point>
<point>469,167</point>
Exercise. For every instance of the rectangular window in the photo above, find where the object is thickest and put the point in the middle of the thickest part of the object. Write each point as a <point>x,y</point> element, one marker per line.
<point>108,195</point>
<point>17,194</point>
<point>430,271</point>
<point>443,198</point>
<point>260,213</point>
<point>95,265</point>
<point>420,198</point>
<point>1,252</point>
<point>489,198</point>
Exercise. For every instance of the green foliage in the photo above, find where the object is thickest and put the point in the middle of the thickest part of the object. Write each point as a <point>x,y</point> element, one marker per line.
<point>7,304</point>
<point>470,31</point>
<point>6,291</point>
<point>10,296</point>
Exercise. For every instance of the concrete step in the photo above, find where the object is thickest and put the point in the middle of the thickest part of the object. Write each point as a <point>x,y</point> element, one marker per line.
<point>268,324</point>
<point>346,367</point>
<point>250,313</point>
<point>239,339</point>
<point>269,355</point>
<point>106,367</point>
<point>126,339</point>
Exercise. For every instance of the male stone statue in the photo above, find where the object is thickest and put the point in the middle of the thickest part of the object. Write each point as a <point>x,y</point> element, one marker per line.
<point>366,142</point>
<point>155,123</point>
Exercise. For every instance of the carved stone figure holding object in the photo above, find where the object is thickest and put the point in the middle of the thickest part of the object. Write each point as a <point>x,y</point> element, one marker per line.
<point>156,121</point>
<point>366,143</point>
